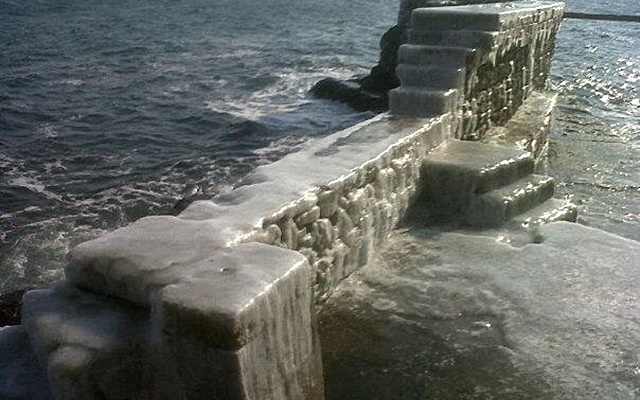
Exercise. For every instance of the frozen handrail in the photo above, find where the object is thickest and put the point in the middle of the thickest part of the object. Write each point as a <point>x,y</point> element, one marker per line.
<point>602,17</point>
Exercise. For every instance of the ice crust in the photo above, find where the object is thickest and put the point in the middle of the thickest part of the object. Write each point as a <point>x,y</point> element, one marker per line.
<point>472,316</point>
<point>218,301</point>
<point>505,50</point>
<point>136,261</point>
<point>487,17</point>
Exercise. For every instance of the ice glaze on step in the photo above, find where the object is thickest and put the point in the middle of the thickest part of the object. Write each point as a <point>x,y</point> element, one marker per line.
<point>499,205</point>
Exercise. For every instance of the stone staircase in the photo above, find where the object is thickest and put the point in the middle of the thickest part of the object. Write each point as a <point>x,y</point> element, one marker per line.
<point>432,79</point>
<point>434,64</point>
<point>488,185</point>
<point>477,62</point>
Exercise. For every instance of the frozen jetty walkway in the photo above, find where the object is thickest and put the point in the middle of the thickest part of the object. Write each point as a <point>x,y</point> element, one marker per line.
<point>222,301</point>
<point>468,314</point>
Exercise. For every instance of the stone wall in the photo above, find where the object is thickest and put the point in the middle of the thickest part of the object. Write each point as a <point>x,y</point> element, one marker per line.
<point>340,225</point>
<point>521,66</point>
<point>218,302</point>
<point>510,52</point>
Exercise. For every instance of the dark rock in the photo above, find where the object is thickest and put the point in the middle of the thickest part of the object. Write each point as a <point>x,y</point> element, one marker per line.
<point>382,77</point>
<point>192,192</point>
<point>352,93</point>
<point>10,304</point>
<point>184,202</point>
<point>368,93</point>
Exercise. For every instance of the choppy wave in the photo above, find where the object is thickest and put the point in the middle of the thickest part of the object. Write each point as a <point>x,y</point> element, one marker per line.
<point>113,111</point>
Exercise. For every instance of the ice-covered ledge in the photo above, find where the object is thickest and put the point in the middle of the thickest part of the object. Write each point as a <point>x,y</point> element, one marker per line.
<point>332,202</point>
<point>218,302</point>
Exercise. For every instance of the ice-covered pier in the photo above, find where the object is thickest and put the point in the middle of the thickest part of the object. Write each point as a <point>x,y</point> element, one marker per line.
<point>221,301</point>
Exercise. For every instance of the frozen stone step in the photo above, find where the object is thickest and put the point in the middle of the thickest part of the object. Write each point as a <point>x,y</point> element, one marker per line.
<point>436,55</point>
<point>500,205</point>
<point>550,211</point>
<point>431,76</point>
<point>487,17</point>
<point>234,332</point>
<point>459,170</point>
<point>458,38</point>
<point>454,19</point>
<point>421,102</point>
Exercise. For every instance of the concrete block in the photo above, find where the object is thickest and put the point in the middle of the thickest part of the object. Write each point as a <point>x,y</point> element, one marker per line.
<point>421,102</point>
<point>244,329</point>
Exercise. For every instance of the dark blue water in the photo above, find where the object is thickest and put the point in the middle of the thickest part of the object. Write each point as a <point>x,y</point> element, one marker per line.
<point>109,110</point>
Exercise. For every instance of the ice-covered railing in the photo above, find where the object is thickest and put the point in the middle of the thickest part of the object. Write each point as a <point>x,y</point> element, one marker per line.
<point>479,62</point>
<point>218,302</point>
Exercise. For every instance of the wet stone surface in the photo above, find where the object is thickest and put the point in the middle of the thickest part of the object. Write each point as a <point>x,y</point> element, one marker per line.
<point>374,354</point>
<point>442,315</point>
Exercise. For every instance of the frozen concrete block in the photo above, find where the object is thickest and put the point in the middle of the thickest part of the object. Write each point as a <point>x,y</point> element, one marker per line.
<point>433,77</point>
<point>132,262</point>
<point>245,328</point>
<point>422,102</point>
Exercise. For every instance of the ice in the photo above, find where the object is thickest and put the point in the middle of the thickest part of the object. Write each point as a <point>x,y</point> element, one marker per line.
<point>134,262</point>
<point>191,306</point>
<point>477,317</point>
<point>218,302</point>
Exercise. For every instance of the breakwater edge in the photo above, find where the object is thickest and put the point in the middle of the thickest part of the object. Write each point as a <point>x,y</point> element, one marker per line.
<point>158,269</point>
<point>248,102</point>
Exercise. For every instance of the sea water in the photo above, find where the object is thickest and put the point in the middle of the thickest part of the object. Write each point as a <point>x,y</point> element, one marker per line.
<point>110,111</point>
<point>595,143</point>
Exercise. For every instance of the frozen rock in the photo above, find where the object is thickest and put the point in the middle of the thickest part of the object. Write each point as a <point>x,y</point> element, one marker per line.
<point>95,347</point>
